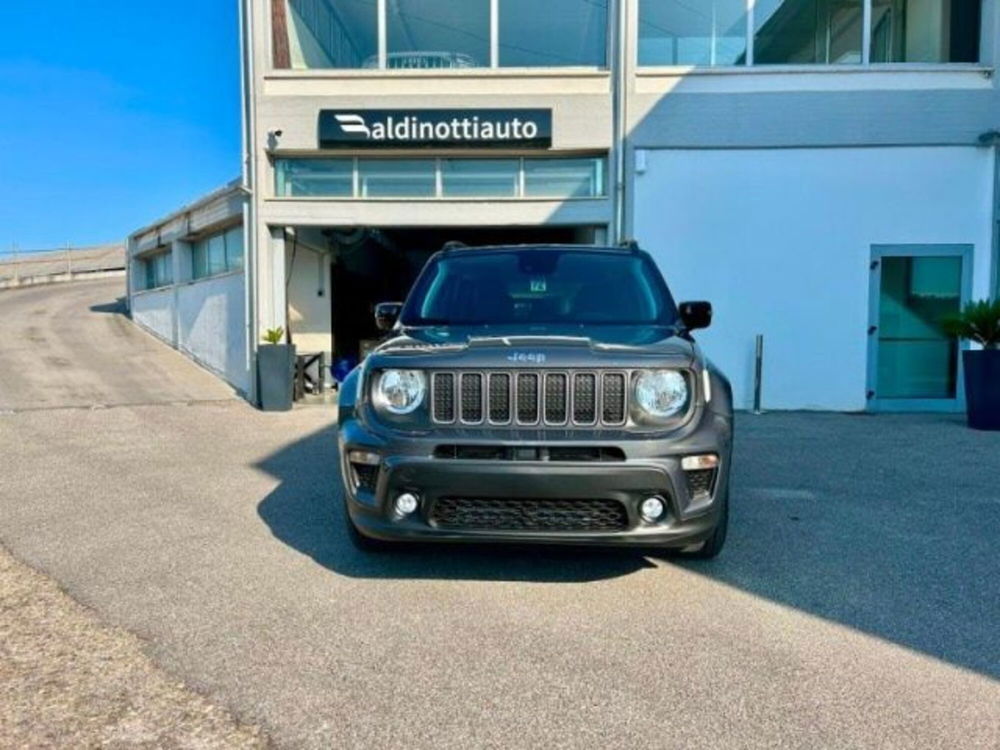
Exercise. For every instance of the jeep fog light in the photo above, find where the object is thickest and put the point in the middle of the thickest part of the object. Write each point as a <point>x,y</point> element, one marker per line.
<point>697,463</point>
<point>652,509</point>
<point>406,503</point>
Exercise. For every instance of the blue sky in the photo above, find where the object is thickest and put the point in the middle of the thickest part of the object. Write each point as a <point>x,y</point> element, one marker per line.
<point>113,113</point>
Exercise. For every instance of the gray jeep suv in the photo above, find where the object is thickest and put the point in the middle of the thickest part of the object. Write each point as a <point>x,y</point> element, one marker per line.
<point>547,394</point>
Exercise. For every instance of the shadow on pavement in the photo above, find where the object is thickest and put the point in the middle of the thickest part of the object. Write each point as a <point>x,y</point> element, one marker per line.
<point>888,525</point>
<point>115,308</point>
<point>305,512</point>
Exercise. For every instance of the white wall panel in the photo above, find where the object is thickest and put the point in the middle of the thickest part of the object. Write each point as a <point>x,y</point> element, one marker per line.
<point>212,326</point>
<point>154,311</point>
<point>780,240</point>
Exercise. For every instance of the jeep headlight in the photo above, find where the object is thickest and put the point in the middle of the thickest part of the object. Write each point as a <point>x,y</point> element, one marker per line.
<point>661,393</point>
<point>399,391</point>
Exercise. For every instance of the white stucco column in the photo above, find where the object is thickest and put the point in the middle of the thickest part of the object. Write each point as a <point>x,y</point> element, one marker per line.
<point>271,299</point>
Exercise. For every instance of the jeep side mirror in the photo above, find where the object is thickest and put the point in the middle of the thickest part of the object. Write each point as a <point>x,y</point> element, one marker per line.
<point>695,315</point>
<point>386,314</point>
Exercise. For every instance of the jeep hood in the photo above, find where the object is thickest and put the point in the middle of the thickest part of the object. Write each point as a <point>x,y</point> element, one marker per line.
<point>560,346</point>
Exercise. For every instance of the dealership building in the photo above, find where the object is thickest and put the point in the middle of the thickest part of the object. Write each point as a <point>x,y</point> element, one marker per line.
<point>825,172</point>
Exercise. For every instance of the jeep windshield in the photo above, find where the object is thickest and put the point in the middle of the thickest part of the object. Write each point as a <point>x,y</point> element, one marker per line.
<point>551,286</point>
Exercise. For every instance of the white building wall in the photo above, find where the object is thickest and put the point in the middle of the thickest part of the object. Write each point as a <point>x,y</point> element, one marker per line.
<point>154,311</point>
<point>779,240</point>
<point>309,305</point>
<point>211,326</point>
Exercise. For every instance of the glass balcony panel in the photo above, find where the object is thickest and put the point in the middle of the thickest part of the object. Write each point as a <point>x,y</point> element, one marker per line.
<point>434,34</point>
<point>553,33</point>
<point>925,32</point>
<point>676,32</point>
<point>806,32</point>
<point>331,33</point>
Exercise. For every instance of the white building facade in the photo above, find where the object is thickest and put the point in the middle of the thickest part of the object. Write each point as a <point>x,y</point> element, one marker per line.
<point>824,171</point>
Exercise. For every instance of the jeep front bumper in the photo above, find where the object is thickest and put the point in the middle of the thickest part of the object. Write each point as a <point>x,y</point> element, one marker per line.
<point>589,502</point>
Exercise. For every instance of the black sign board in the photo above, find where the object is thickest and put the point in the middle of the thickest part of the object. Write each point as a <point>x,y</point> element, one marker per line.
<point>435,128</point>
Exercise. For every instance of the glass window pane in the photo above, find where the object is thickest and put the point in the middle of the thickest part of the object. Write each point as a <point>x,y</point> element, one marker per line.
<point>199,259</point>
<point>802,32</point>
<point>916,359</point>
<point>333,178</point>
<point>564,178</point>
<point>234,248</point>
<point>922,31</point>
<point>404,178</point>
<point>216,255</point>
<point>332,33</point>
<point>677,32</point>
<point>553,33</point>
<point>480,177</point>
<point>424,34</point>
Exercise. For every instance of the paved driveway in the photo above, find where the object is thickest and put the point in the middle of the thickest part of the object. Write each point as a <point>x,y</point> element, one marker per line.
<point>857,604</point>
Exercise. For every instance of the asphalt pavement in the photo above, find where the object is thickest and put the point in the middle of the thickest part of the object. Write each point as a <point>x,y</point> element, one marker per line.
<point>857,603</point>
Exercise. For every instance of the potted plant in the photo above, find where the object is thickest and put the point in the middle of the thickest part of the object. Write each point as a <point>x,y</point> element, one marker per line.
<point>275,371</point>
<point>980,322</point>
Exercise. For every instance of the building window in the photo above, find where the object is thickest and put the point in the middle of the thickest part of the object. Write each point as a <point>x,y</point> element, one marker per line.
<point>325,177</point>
<point>158,270</point>
<point>807,32</point>
<point>927,32</point>
<point>428,34</point>
<point>397,178</point>
<point>436,34</point>
<point>217,254</point>
<point>480,178</point>
<point>677,32</point>
<point>553,33</point>
<point>564,178</point>
<point>530,177</point>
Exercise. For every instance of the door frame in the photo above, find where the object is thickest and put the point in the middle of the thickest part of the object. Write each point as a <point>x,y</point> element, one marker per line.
<point>966,252</point>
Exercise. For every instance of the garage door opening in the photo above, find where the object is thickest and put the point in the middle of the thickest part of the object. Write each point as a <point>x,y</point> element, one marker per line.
<point>336,276</point>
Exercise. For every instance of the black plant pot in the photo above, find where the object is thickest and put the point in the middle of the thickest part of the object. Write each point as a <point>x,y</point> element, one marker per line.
<point>982,388</point>
<point>275,376</point>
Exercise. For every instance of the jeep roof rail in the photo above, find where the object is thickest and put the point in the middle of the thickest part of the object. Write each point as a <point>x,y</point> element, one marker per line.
<point>454,245</point>
<point>632,245</point>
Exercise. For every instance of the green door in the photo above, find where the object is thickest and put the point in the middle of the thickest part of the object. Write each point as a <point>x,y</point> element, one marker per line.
<point>913,364</point>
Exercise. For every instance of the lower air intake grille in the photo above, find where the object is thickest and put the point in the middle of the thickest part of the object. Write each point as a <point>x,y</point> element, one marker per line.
<point>700,482</point>
<point>490,514</point>
<point>365,476</point>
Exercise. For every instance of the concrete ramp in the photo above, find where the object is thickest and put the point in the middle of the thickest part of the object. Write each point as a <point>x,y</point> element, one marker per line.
<point>71,346</point>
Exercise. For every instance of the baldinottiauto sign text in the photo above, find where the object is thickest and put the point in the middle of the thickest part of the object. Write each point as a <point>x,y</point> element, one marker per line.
<point>435,128</point>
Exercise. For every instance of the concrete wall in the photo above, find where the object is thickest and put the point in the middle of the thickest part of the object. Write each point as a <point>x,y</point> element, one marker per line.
<point>154,311</point>
<point>757,233</point>
<point>211,324</point>
<point>204,319</point>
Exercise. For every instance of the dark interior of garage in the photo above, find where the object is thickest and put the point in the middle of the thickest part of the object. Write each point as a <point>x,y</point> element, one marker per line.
<point>380,265</point>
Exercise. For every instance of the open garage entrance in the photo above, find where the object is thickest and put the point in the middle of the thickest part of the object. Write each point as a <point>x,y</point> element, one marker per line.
<point>336,276</point>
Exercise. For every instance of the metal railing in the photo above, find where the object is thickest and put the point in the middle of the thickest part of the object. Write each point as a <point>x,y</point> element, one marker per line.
<point>18,266</point>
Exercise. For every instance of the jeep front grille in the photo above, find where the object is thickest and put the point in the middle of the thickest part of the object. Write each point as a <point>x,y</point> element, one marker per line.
<point>523,514</point>
<point>530,397</point>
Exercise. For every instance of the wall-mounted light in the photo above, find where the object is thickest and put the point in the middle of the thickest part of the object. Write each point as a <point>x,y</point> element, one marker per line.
<point>640,160</point>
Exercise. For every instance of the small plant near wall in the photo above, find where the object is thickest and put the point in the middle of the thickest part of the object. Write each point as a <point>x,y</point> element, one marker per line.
<point>274,335</point>
<point>979,322</point>
<point>275,371</point>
